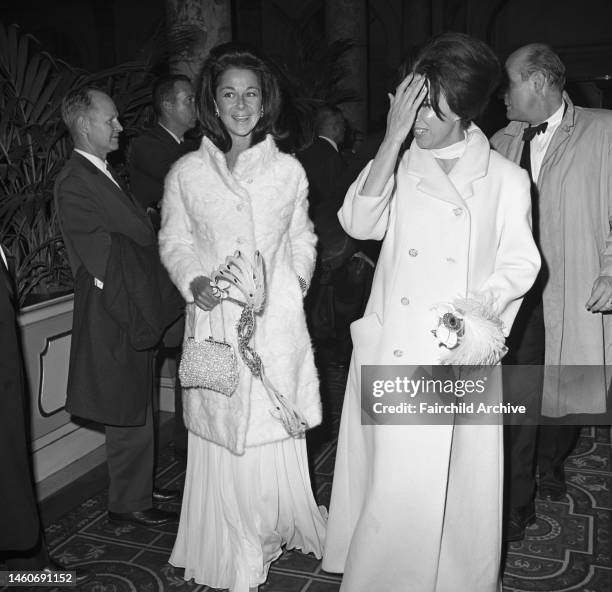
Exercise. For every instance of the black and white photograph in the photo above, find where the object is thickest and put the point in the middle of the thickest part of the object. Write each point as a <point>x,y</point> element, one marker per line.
<point>306,295</point>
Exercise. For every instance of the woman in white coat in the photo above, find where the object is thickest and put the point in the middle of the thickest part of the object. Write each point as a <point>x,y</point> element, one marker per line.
<point>247,488</point>
<point>417,508</point>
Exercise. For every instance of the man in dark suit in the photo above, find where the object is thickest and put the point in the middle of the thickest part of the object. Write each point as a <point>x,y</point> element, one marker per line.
<point>22,545</point>
<point>155,151</point>
<point>151,156</point>
<point>321,160</point>
<point>91,206</point>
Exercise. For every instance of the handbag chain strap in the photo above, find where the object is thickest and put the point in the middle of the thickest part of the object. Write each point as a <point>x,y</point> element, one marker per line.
<point>193,311</point>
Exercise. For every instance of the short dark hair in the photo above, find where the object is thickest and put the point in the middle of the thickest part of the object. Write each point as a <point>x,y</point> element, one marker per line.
<point>244,57</point>
<point>540,57</point>
<point>163,90</point>
<point>464,69</point>
<point>325,113</point>
<point>76,103</point>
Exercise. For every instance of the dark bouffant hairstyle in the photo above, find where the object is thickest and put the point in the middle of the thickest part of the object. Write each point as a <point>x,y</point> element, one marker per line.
<point>244,57</point>
<point>163,90</point>
<point>464,69</point>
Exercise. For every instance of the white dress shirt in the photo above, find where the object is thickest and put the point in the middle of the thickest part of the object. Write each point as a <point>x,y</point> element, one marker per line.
<point>98,163</point>
<point>540,142</point>
<point>331,142</point>
<point>3,256</point>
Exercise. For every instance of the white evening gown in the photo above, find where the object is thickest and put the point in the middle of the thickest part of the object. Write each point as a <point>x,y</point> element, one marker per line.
<point>239,511</point>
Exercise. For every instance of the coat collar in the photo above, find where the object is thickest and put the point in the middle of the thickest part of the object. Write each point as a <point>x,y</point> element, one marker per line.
<point>561,135</point>
<point>458,184</point>
<point>79,160</point>
<point>255,158</point>
<point>563,132</point>
<point>515,128</point>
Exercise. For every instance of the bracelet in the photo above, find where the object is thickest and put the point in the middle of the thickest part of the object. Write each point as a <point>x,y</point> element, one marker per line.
<point>303,284</point>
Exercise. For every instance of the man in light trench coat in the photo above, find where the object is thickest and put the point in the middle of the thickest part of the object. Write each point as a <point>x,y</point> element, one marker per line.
<point>566,321</point>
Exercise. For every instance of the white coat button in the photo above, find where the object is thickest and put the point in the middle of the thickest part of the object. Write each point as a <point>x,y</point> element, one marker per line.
<point>241,240</point>
<point>398,353</point>
<point>240,207</point>
<point>405,301</point>
<point>249,181</point>
<point>413,252</point>
<point>458,211</point>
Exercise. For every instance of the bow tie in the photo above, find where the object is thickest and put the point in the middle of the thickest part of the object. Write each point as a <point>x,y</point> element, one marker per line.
<point>532,131</point>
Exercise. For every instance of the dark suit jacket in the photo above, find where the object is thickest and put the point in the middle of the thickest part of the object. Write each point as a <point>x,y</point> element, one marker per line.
<point>108,380</point>
<point>139,294</point>
<point>324,167</point>
<point>19,526</point>
<point>151,156</point>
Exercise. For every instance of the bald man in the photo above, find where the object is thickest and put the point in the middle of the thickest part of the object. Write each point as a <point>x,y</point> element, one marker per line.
<point>564,320</point>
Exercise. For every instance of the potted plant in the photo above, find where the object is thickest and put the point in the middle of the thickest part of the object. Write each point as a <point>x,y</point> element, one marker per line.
<point>34,145</point>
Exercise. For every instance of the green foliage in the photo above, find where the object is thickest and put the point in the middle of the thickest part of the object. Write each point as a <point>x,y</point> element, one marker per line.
<point>34,146</point>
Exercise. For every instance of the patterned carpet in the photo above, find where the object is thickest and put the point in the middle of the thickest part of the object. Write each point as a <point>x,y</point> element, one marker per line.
<point>569,548</point>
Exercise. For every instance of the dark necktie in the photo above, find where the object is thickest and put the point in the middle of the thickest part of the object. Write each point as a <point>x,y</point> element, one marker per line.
<point>529,134</point>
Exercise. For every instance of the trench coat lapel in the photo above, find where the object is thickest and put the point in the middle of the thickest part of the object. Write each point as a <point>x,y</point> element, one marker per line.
<point>561,136</point>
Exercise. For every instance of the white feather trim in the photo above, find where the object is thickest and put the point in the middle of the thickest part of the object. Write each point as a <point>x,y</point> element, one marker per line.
<point>470,332</point>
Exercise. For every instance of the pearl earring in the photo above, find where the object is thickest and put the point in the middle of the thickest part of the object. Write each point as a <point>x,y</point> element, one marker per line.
<point>216,111</point>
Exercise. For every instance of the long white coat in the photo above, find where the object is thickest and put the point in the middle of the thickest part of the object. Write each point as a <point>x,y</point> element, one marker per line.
<point>209,213</point>
<point>418,508</point>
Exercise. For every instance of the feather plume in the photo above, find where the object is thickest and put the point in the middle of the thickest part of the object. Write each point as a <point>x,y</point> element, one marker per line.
<point>479,339</point>
<point>246,276</point>
<point>249,278</point>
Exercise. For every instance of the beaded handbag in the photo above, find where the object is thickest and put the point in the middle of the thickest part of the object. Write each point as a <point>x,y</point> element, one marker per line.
<point>208,364</point>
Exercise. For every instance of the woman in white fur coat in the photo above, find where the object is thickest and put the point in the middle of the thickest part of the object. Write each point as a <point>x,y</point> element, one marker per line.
<point>417,508</point>
<point>247,488</point>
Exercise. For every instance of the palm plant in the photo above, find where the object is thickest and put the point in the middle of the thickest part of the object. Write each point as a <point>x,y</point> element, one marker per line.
<point>34,146</point>
<point>312,73</point>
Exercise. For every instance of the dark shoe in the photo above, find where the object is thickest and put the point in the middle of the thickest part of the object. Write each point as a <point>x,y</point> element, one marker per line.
<point>151,517</point>
<point>83,575</point>
<point>518,520</point>
<point>552,486</point>
<point>165,495</point>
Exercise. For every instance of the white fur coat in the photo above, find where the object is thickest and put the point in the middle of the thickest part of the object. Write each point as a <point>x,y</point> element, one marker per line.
<point>209,213</point>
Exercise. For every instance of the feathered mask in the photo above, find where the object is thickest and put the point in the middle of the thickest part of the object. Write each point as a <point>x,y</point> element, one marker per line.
<point>249,278</point>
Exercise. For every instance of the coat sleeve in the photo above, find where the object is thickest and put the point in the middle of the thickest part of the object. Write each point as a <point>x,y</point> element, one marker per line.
<point>363,216</point>
<point>517,260</point>
<point>301,233</point>
<point>83,225</point>
<point>176,244</point>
